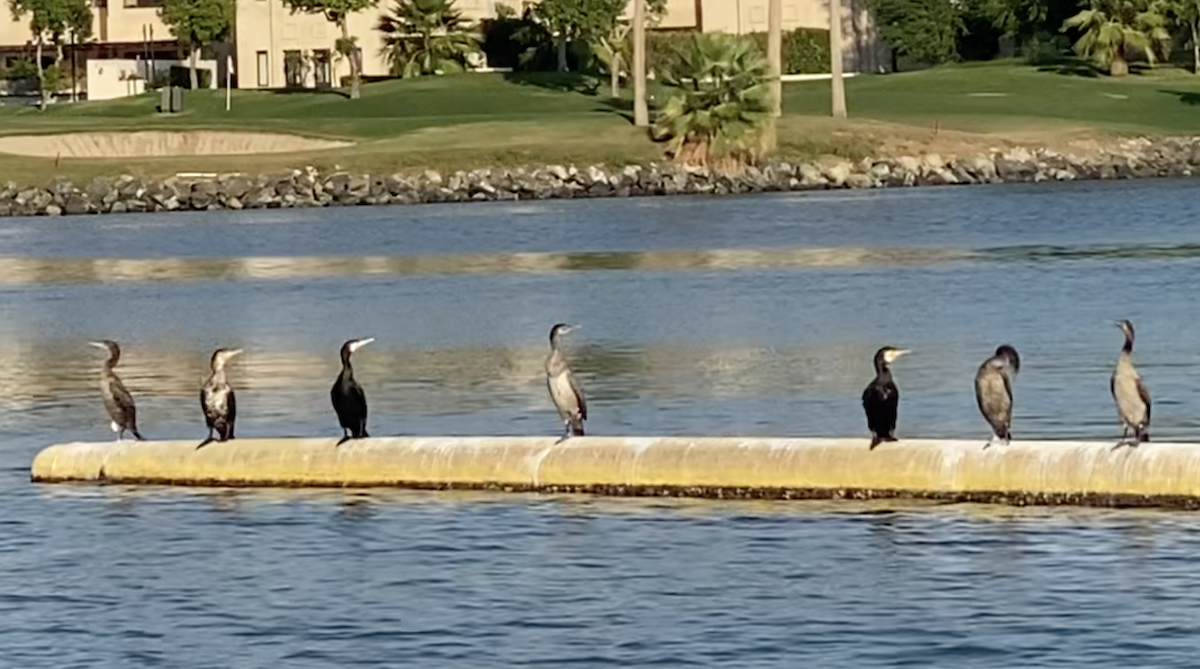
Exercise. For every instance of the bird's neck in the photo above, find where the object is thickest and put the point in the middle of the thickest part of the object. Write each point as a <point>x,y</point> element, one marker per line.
<point>883,372</point>
<point>218,374</point>
<point>1128,347</point>
<point>347,368</point>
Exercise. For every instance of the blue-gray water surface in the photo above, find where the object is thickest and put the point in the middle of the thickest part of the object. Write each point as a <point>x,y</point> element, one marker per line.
<point>700,317</point>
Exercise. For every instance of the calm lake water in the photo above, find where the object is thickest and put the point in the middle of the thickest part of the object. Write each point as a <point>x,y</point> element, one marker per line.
<point>700,316</point>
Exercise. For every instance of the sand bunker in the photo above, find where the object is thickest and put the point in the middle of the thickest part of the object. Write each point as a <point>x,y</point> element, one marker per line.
<point>159,143</point>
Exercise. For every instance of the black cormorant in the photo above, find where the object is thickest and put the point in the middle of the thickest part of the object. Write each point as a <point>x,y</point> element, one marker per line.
<point>349,401</point>
<point>117,399</point>
<point>1130,394</point>
<point>993,391</point>
<point>881,398</point>
<point>564,387</point>
<point>217,399</point>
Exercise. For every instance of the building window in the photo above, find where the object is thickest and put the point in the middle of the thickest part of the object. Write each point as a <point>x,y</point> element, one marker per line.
<point>321,68</point>
<point>143,3</point>
<point>264,70</point>
<point>293,69</point>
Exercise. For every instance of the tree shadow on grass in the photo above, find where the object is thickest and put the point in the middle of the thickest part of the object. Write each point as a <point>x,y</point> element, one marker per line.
<point>568,82</point>
<point>1186,97</point>
<point>1068,66</point>
<point>310,91</point>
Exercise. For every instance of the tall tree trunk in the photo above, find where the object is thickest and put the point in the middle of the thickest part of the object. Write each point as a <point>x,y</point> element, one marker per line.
<point>195,75</point>
<point>614,73</point>
<point>355,65</point>
<point>561,40</point>
<point>1195,47</point>
<point>641,111</point>
<point>45,99</point>
<point>837,86</point>
<point>775,54</point>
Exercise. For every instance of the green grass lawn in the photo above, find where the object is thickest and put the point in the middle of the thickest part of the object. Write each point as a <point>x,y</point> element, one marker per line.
<point>485,120</point>
<point>1008,96</point>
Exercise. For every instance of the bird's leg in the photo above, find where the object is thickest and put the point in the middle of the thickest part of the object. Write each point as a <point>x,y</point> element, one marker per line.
<point>566,431</point>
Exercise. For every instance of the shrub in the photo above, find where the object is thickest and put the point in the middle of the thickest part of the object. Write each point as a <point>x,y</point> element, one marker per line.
<point>718,111</point>
<point>181,75</point>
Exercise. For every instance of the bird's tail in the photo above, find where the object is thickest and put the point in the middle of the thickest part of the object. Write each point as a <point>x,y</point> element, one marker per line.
<point>137,435</point>
<point>875,441</point>
<point>1143,434</point>
<point>576,426</point>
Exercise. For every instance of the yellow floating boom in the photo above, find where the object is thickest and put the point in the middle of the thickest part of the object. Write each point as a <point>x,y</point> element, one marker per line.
<point>1027,472</point>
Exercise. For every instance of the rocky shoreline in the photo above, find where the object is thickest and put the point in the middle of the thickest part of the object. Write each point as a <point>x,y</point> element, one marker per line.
<point>1126,159</point>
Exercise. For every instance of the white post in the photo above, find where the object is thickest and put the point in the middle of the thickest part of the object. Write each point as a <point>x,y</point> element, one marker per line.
<point>228,81</point>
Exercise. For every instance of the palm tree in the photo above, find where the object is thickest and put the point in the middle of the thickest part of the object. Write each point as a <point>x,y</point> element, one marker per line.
<point>1115,30</point>
<point>719,111</point>
<point>427,37</point>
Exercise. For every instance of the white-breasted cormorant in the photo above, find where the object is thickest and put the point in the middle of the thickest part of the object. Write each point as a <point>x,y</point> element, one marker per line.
<point>117,399</point>
<point>564,388</point>
<point>993,391</point>
<point>349,401</point>
<point>1129,393</point>
<point>217,399</point>
<point>880,399</point>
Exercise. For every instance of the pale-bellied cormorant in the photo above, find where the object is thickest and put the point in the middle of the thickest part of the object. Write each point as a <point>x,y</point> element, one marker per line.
<point>564,387</point>
<point>349,401</point>
<point>117,399</point>
<point>881,398</point>
<point>217,399</point>
<point>993,391</point>
<point>1130,394</point>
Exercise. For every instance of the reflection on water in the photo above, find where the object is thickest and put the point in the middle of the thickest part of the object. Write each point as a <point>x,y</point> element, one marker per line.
<point>701,316</point>
<point>24,271</point>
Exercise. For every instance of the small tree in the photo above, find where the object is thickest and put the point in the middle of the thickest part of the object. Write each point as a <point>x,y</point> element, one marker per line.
<point>575,20</point>
<point>337,12</point>
<point>926,30</point>
<point>427,37</point>
<point>49,22</point>
<point>1115,30</point>
<point>196,23</point>
<point>615,48</point>
<point>719,111</point>
<point>1186,13</point>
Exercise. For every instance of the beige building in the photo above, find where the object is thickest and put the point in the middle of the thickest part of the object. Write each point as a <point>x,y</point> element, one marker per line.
<point>275,48</point>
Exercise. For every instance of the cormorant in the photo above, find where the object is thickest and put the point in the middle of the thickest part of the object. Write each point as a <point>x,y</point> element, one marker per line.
<point>349,401</point>
<point>117,399</point>
<point>881,398</point>
<point>993,391</point>
<point>1130,394</point>
<point>217,399</point>
<point>564,387</point>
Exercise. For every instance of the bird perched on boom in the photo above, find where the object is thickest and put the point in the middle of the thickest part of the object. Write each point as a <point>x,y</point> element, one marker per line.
<point>564,388</point>
<point>1130,394</point>
<point>881,398</point>
<point>117,399</point>
<point>993,391</point>
<point>217,399</point>
<point>349,400</point>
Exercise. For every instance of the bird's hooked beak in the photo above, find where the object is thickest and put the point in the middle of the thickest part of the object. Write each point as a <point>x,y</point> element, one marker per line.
<point>892,356</point>
<point>98,344</point>
<point>232,353</point>
<point>360,343</point>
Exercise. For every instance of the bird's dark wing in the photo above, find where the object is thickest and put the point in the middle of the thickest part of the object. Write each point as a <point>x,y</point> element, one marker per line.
<point>124,400</point>
<point>1145,395</point>
<point>578,389</point>
<point>231,409</point>
<point>358,400</point>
